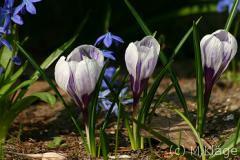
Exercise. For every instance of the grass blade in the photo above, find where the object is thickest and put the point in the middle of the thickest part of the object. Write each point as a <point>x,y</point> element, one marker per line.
<point>232,15</point>
<point>138,18</point>
<point>194,132</point>
<point>201,110</point>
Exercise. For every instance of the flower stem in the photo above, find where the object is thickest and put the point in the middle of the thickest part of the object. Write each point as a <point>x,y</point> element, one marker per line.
<point>202,114</point>
<point>136,134</point>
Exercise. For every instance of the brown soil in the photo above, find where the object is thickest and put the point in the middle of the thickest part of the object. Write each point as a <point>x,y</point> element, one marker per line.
<point>36,127</point>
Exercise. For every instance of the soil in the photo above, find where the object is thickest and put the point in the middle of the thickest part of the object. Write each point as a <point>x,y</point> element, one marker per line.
<point>35,128</point>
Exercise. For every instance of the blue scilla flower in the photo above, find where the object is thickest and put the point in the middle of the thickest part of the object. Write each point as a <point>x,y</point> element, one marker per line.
<point>109,54</point>
<point>106,103</point>
<point>6,15</point>
<point>17,60</point>
<point>4,42</point>
<point>222,4</point>
<point>108,39</point>
<point>26,5</point>
<point>108,75</point>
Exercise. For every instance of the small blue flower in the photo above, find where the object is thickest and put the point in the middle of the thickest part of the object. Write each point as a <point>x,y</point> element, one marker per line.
<point>17,60</point>
<point>222,4</point>
<point>109,54</point>
<point>108,75</point>
<point>108,39</point>
<point>26,5</point>
<point>1,70</point>
<point>4,42</point>
<point>6,15</point>
<point>106,103</point>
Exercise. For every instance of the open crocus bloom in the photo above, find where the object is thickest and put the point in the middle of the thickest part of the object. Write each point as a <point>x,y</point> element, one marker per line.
<point>141,58</point>
<point>217,50</point>
<point>78,73</point>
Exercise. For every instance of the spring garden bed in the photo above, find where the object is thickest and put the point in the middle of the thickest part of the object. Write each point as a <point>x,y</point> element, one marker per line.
<point>35,128</point>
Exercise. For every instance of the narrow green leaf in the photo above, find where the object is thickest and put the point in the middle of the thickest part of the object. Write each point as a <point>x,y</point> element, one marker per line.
<point>104,144</point>
<point>12,79</point>
<point>195,133</point>
<point>158,101</point>
<point>148,100</point>
<point>231,15</point>
<point>229,144</point>
<point>46,97</point>
<point>199,82</point>
<point>138,18</point>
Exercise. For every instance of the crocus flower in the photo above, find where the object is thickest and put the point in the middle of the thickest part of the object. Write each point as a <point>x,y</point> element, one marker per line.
<point>78,73</point>
<point>26,5</point>
<point>108,39</point>
<point>17,60</point>
<point>141,58</point>
<point>217,50</point>
<point>222,4</point>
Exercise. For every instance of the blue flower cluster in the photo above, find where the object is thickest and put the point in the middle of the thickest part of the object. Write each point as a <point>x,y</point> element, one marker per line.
<point>108,40</point>
<point>9,13</point>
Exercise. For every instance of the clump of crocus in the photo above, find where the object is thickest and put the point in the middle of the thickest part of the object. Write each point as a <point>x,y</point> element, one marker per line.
<point>217,51</point>
<point>78,75</point>
<point>141,58</point>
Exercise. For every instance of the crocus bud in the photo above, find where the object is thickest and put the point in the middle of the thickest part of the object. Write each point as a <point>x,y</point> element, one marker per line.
<point>141,58</point>
<point>217,50</point>
<point>78,73</point>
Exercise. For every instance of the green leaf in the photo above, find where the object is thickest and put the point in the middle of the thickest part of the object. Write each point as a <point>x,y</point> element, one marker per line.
<point>56,142</point>
<point>46,97</point>
<point>195,133</point>
<point>199,81</point>
<point>12,79</point>
<point>228,145</point>
<point>141,23</point>
<point>231,15</point>
<point>149,98</point>
<point>104,144</point>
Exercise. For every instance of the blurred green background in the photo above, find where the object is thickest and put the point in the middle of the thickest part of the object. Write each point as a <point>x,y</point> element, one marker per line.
<point>57,20</point>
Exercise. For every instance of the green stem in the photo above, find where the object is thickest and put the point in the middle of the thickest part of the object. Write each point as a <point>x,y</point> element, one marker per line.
<point>118,123</point>
<point>136,134</point>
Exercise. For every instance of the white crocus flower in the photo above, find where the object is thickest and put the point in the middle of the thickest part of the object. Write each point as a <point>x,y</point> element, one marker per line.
<point>78,73</point>
<point>141,58</point>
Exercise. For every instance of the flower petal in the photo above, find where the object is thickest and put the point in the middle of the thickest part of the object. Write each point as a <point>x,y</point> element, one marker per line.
<point>86,51</point>
<point>62,73</point>
<point>108,40</point>
<point>131,59</point>
<point>30,7</point>
<point>86,76</point>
